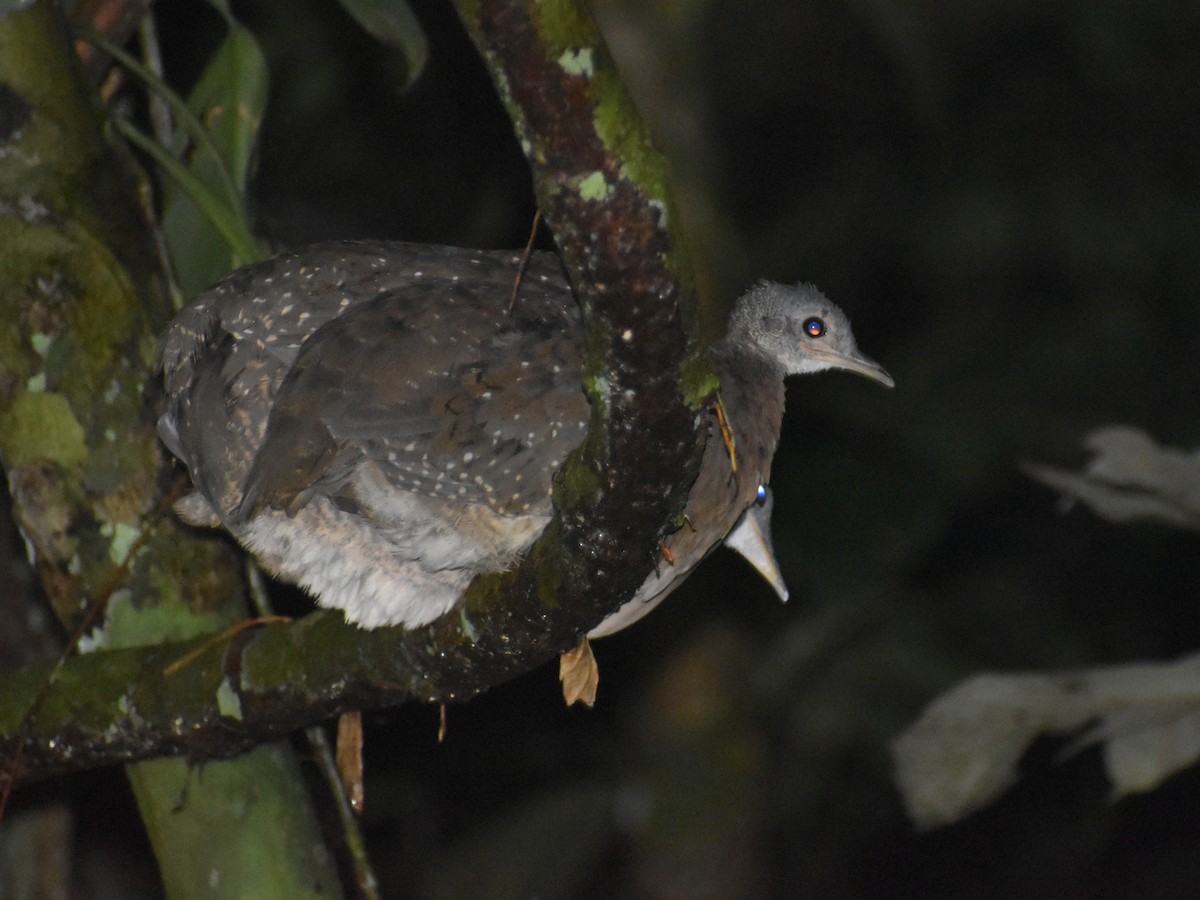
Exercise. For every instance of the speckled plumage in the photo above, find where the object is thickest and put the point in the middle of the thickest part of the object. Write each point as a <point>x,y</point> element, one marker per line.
<point>375,423</point>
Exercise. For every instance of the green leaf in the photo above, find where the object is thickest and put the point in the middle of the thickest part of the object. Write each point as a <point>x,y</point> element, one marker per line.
<point>232,241</point>
<point>392,22</point>
<point>228,100</point>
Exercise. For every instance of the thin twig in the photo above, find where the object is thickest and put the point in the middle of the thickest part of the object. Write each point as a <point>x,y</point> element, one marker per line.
<point>512,301</point>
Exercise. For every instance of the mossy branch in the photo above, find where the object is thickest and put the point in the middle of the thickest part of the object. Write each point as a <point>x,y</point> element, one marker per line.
<point>602,189</point>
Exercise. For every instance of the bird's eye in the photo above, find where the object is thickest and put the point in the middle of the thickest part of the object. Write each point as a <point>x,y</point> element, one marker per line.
<point>761,497</point>
<point>814,327</point>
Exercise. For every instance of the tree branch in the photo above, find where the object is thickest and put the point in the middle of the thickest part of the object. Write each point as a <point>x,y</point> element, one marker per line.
<point>602,189</point>
<point>81,300</point>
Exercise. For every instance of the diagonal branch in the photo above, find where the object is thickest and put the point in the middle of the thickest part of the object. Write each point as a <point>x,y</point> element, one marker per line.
<point>602,190</point>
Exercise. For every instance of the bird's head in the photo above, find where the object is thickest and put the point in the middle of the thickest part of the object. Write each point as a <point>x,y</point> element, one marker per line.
<point>799,330</point>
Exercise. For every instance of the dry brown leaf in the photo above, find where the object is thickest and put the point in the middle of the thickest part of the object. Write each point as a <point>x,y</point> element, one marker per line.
<point>349,758</point>
<point>579,675</point>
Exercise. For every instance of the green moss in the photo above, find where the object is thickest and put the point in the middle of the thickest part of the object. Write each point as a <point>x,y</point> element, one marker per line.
<point>104,317</point>
<point>595,187</point>
<point>77,267</point>
<point>577,62</point>
<point>572,39</point>
<point>229,704</point>
<point>577,484</point>
<point>549,586</point>
<point>37,70</point>
<point>619,126</point>
<point>466,626</point>
<point>41,426</point>
<point>597,388</point>
<point>198,573</point>
<point>698,378</point>
<point>565,25</point>
<point>121,540</point>
<point>168,620</point>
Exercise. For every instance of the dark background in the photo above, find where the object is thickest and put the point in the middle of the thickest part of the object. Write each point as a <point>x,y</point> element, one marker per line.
<point>1004,197</point>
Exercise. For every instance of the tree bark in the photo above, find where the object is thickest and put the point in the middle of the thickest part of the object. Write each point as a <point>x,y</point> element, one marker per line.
<point>82,301</point>
<point>603,191</point>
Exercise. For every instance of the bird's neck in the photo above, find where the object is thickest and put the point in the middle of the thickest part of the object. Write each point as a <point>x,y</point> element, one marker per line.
<point>752,394</point>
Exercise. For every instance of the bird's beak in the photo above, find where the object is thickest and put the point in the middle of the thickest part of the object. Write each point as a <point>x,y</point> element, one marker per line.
<point>751,538</point>
<point>856,362</point>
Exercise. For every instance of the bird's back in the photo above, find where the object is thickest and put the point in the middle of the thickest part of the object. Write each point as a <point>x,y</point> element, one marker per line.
<point>287,374</point>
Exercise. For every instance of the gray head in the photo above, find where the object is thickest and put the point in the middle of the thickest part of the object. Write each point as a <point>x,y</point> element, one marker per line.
<point>798,329</point>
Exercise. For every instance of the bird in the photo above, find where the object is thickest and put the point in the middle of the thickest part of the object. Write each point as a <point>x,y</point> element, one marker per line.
<point>379,421</point>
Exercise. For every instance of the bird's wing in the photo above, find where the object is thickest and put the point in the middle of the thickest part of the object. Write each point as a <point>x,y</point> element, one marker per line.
<point>440,386</point>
